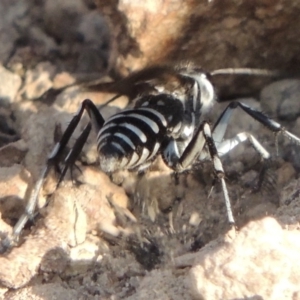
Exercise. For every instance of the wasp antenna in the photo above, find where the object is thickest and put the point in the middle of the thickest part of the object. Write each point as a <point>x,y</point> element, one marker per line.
<point>247,71</point>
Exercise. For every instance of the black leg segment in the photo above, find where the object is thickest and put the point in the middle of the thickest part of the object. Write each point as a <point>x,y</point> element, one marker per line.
<point>96,121</point>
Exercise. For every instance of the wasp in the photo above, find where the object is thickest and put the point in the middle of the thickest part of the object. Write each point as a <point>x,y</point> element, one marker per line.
<point>167,118</point>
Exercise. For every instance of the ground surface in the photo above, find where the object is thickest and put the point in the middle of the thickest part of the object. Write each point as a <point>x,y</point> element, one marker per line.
<point>111,238</point>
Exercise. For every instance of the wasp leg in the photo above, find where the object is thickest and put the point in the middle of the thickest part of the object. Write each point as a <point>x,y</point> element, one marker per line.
<point>74,152</point>
<point>202,138</point>
<point>225,146</point>
<point>223,121</point>
<point>229,144</point>
<point>96,121</point>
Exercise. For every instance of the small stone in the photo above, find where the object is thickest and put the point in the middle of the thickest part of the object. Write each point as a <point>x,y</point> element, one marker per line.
<point>249,179</point>
<point>13,181</point>
<point>66,218</point>
<point>194,219</point>
<point>39,80</point>
<point>231,22</point>
<point>102,182</point>
<point>281,99</point>
<point>83,256</point>
<point>45,291</point>
<point>71,98</point>
<point>3,290</point>
<point>64,15</point>
<point>62,80</point>
<point>285,174</point>
<point>20,265</point>
<point>288,213</point>
<point>96,51</point>
<point>5,229</point>
<point>55,261</point>
<point>43,44</point>
<point>10,13</point>
<point>10,84</point>
<point>262,246</point>
<point>13,153</point>
<point>8,132</point>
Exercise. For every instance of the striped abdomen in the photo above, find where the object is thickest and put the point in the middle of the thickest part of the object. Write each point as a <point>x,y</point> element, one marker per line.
<point>130,139</point>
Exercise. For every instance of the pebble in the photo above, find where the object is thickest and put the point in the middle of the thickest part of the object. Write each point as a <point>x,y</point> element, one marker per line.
<point>10,84</point>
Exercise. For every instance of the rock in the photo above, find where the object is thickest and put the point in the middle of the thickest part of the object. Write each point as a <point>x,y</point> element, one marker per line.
<point>70,214</point>
<point>260,210</point>
<point>55,261</point>
<point>288,213</point>
<point>66,14</point>
<point>20,265</point>
<point>249,178</point>
<point>62,80</point>
<point>286,173</point>
<point>42,44</point>
<point>86,34</point>
<point>38,127</point>
<point>83,256</point>
<point>48,291</point>
<point>91,241</point>
<point>71,98</point>
<point>66,219</point>
<point>102,182</point>
<point>5,229</point>
<point>9,13</point>
<point>13,181</point>
<point>96,55</point>
<point>156,191</point>
<point>296,128</point>
<point>8,132</point>
<point>281,99</point>
<point>199,32</point>
<point>161,284</point>
<point>248,265</point>
<point>148,31</point>
<point>70,219</point>
<point>38,81</point>
<point>3,290</point>
<point>10,84</point>
<point>13,153</point>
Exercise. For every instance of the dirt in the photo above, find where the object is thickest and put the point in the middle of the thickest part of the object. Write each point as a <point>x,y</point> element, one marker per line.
<point>128,236</point>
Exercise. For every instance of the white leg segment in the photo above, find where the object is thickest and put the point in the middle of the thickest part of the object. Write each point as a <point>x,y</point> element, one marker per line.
<point>229,144</point>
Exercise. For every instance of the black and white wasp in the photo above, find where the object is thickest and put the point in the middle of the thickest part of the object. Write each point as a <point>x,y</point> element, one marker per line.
<point>168,118</point>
